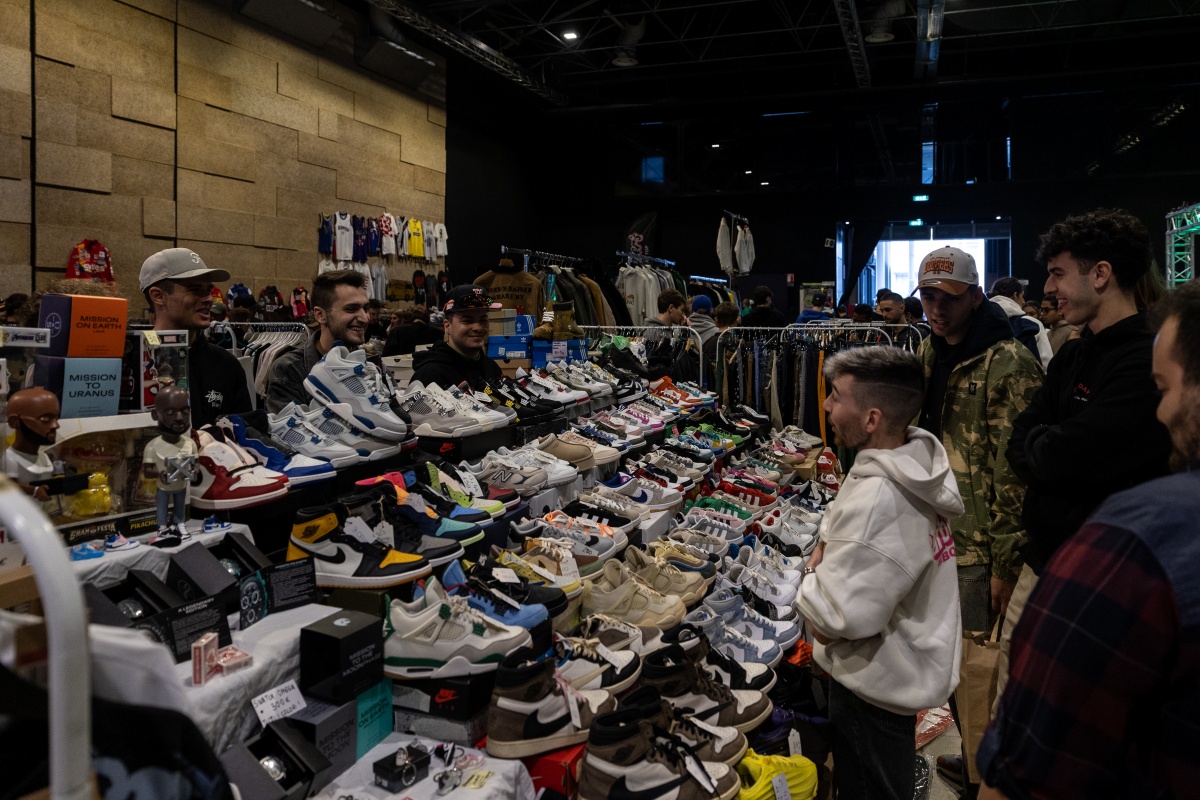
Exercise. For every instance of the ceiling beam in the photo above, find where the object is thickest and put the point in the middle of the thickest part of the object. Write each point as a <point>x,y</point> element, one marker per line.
<point>852,33</point>
<point>930,14</point>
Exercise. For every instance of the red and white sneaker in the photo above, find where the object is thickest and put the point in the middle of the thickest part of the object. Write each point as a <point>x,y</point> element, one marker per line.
<point>231,478</point>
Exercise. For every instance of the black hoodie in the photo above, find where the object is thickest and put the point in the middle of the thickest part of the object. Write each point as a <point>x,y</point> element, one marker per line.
<point>989,324</point>
<point>445,366</point>
<point>1090,432</point>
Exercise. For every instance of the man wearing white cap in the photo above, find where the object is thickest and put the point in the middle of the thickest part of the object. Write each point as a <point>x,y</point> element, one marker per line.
<point>978,378</point>
<point>178,287</point>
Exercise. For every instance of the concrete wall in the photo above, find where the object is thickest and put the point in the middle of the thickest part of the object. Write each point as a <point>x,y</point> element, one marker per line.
<point>163,123</point>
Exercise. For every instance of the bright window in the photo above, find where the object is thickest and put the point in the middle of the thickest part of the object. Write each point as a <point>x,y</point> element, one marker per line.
<point>898,262</point>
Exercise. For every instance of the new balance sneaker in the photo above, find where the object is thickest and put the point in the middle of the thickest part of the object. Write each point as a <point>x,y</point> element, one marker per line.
<point>290,427</point>
<point>684,685</point>
<point>439,636</point>
<point>231,478</point>
<point>506,474</point>
<point>343,560</point>
<point>626,760</point>
<point>351,386</point>
<point>708,742</point>
<point>460,485</point>
<point>535,711</point>
<point>619,635</point>
<point>432,415</point>
<point>587,666</point>
<point>618,593</point>
<point>558,471</point>
<point>661,575</point>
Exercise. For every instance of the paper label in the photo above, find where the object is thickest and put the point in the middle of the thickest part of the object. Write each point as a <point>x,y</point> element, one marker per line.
<point>505,575</point>
<point>794,743</point>
<point>477,779</point>
<point>282,701</point>
<point>558,350</point>
<point>544,573</point>
<point>573,707</point>
<point>569,568</point>
<point>780,787</point>
<point>607,655</point>
<point>505,598</point>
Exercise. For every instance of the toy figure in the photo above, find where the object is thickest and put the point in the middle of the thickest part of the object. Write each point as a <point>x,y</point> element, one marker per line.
<point>171,459</point>
<point>33,416</point>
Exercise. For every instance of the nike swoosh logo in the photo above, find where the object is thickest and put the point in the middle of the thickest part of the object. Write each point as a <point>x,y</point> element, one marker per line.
<point>621,791</point>
<point>338,559</point>
<point>536,729</point>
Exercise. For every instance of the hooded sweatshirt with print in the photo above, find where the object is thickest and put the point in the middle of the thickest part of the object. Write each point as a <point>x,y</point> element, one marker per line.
<point>886,591</point>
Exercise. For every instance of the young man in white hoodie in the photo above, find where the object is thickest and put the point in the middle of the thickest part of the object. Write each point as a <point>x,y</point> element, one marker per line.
<point>880,593</point>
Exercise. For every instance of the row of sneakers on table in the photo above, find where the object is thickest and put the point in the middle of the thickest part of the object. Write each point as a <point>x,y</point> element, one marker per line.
<point>172,536</point>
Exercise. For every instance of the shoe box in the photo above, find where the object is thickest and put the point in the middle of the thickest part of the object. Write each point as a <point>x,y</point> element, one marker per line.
<point>86,387</point>
<point>503,321</point>
<point>345,732</point>
<point>84,327</point>
<point>656,525</point>
<point>510,366</point>
<point>507,347</point>
<point>556,771</point>
<point>524,325</point>
<point>341,656</point>
<point>194,572</point>
<point>304,769</point>
<point>568,350</point>
<point>165,615</point>
<point>148,357</point>
<point>467,732</point>
<point>457,698</point>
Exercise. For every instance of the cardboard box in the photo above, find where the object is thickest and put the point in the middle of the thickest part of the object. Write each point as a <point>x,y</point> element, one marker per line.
<point>557,771</point>
<point>465,732</point>
<point>525,325</point>
<point>569,350</point>
<point>84,327</point>
<point>511,366</point>
<point>450,698</point>
<point>195,572</point>
<point>503,348</point>
<point>148,357</point>
<point>86,387</point>
<point>503,321</point>
<point>341,656</point>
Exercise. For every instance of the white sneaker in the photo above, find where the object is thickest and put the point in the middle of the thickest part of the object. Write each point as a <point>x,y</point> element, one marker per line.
<point>438,636</point>
<point>290,427</point>
<point>602,453</point>
<point>368,447</point>
<point>432,415</point>
<point>761,584</point>
<point>353,388</point>
<point>618,593</point>
<point>469,406</point>
<point>558,472</point>
<point>230,478</point>
<point>774,570</point>
<point>586,668</point>
<point>709,543</point>
<point>550,388</point>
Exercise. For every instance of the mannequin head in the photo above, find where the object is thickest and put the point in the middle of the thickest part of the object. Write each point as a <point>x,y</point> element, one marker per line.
<point>33,416</point>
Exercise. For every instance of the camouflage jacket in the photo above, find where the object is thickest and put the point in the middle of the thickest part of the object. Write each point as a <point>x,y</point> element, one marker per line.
<point>984,395</point>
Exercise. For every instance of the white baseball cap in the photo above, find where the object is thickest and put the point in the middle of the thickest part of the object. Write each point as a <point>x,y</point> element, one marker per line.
<point>177,263</point>
<point>949,269</point>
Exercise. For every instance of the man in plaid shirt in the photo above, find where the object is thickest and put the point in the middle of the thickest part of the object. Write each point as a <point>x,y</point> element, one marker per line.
<point>1103,698</point>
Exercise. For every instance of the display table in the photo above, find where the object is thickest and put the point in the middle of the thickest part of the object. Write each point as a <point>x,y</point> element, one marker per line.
<point>221,708</point>
<point>509,780</point>
<point>111,568</point>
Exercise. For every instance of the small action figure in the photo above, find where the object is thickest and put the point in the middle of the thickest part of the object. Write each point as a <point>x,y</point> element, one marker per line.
<point>171,459</point>
<point>33,416</point>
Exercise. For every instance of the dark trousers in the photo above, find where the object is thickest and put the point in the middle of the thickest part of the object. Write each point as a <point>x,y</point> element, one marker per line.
<point>873,750</point>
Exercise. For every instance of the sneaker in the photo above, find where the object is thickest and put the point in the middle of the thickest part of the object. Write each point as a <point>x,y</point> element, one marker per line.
<point>618,593</point>
<point>371,517</point>
<point>498,471</point>
<point>493,602</point>
<point>768,566</point>
<point>579,454</point>
<point>758,776</point>
<point>643,492</point>
<point>683,557</point>
<point>460,485</point>
<point>116,542</point>
<point>603,511</point>
<point>707,742</point>
<point>559,518</point>
<point>722,668</point>
<point>733,643</point>
<point>626,759</point>
<point>469,407</point>
<point>533,711</point>
<point>590,551</point>
<point>618,635</point>
<point>761,584</point>
<point>709,543</point>
<point>778,560</point>
<point>535,574</point>
<point>368,447</point>
<point>433,416</point>
<point>231,478</point>
<point>353,389</point>
<point>558,472</point>
<point>512,586</point>
<point>684,685</point>
<point>298,468</point>
<point>439,636</point>
<point>412,508</point>
<point>601,453</point>
<point>587,666</point>
<point>343,560</point>
<point>665,577</point>
<point>215,525</point>
<point>87,551</point>
<point>167,537</point>
<point>738,616</point>
<point>290,428</point>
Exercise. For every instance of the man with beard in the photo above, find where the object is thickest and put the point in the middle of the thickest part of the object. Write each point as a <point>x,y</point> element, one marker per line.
<point>178,285</point>
<point>1104,683</point>
<point>33,416</point>
<point>339,306</point>
<point>169,459</point>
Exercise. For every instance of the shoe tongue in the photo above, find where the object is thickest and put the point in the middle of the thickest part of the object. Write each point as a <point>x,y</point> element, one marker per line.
<point>434,592</point>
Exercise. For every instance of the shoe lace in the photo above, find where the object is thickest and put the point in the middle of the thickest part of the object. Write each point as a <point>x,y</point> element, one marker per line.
<point>592,625</point>
<point>461,608</point>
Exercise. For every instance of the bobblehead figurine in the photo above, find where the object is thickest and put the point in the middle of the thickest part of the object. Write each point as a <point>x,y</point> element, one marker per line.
<point>171,459</point>
<point>33,416</point>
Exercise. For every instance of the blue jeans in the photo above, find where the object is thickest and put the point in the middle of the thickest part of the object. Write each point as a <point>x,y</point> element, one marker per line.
<point>873,750</point>
<point>163,500</point>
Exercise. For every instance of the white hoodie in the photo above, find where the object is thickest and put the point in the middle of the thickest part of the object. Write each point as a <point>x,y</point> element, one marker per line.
<point>886,590</point>
<point>1011,309</point>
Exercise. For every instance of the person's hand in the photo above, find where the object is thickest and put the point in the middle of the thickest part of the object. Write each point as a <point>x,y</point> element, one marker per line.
<point>1001,593</point>
<point>814,559</point>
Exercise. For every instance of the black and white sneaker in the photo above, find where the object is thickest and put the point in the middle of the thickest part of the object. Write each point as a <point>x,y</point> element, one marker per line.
<point>343,560</point>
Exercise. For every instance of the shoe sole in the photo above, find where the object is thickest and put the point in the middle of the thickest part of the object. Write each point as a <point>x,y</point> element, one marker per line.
<point>250,502</point>
<point>750,725</point>
<point>425,429</point>
<point>456,667</point>
<point>522,748</point>
<point>315,478</point>
<point>367,582</point>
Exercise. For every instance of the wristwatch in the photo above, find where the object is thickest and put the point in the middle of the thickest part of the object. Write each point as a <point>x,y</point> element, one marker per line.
<point>807,571</point>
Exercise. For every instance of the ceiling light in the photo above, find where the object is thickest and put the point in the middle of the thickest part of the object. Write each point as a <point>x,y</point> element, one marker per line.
<point>570,36</point>
<point>997,218</point>
<point>715,146</point>
<point>765,183</point>
<point>748,172</point>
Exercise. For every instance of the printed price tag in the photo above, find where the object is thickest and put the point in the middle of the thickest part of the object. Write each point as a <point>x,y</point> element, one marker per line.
<point>780,787</point>
<point>282,701</point>
<point>477,779</point>
<point>151,338</point>
<point>607,655</point>
<point>558,350</point>
<point>569,568</point>
<point>505,575</point>
<point>505,598</point>
<point>794,743</point>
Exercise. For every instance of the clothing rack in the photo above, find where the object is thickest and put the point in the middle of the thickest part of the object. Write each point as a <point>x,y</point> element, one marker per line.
<point>641,257</point>
<point>639,332</point>
<point>539,254</point>
<point>707,279</point>
<point>738,217</point>
<point>809,328</point>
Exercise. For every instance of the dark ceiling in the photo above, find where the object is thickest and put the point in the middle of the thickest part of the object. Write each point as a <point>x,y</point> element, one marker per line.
<point>792,94</point>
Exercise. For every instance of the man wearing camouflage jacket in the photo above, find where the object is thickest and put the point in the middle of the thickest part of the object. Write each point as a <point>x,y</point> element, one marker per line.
<point>978,378</point>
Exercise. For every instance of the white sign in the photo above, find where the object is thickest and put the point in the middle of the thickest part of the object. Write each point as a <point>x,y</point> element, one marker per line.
<point>282,701</point>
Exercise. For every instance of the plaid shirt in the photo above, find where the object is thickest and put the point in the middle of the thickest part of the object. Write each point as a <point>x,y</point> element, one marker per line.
<point>1098,661</point>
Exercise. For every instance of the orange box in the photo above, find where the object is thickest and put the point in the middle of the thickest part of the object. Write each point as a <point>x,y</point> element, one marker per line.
<point>84,327</point>
<point>557,770</point>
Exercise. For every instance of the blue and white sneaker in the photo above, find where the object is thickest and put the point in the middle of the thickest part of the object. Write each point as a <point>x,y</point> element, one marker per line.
<point>737,615</point>
<point>491,602</point>
<point>214,525</point>
<point>299,469</point>
<point>87,551</point>
<point>118,542</point>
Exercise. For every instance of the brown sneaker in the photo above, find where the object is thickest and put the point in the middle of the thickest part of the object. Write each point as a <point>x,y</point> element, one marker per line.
<point>624,759</point>
<point>579,455</point>
<point>684,684</point>
<point>708,742</point>
<point>531,712</point>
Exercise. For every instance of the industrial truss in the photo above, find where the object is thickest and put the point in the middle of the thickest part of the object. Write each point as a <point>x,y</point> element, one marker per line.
<point>1182,226</point>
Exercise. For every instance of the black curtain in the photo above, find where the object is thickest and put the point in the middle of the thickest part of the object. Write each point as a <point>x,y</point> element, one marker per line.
<point>860,241</point>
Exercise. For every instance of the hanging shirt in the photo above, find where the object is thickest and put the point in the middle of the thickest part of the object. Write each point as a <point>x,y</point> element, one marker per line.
<point>416,239</point>
<point>300,302</point>
<point>429,242</point>
<point>743,249</point>
<point>440,235</point>
<point>325,234</point>
<point>724,248</point>
<point>387,235</point>
<point>359,224</point>
<point>344,242</point>
<point>90,260</point>
<point>372,236</point>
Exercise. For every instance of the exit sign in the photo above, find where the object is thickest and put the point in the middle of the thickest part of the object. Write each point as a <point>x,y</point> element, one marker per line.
<point>920,198</point>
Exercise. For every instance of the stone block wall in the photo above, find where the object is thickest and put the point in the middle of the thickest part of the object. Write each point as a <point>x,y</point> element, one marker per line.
<point>163,123</point>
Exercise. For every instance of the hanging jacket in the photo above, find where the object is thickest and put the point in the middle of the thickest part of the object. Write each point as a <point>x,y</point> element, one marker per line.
<point>992,378</point>
<point>743,250</point>
<point>90,259</point>
<point>604,314</point>
<point>1029,331</point>
<point>724,248</point>
<point>512,287</point>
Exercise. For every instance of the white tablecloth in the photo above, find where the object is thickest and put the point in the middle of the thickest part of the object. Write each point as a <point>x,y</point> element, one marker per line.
<point>509,781</point>
<point>111,568</point>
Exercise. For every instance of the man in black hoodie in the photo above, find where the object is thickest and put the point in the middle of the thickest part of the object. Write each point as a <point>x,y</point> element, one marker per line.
<point>463,355</point>
<point>763,315</point>
<point>1098,391</point>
